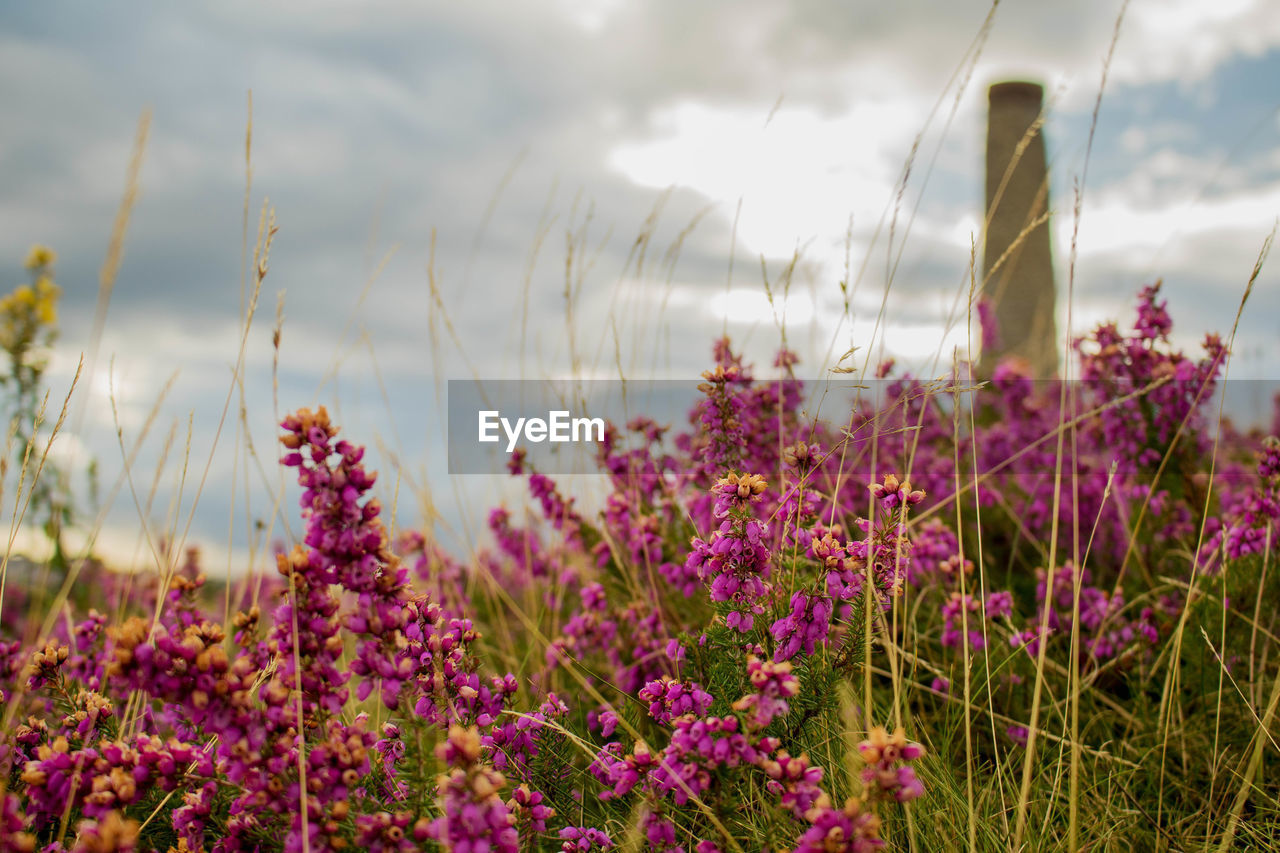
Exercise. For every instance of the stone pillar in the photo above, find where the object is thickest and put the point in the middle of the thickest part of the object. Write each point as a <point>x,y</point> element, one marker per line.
<point>1021,290</point>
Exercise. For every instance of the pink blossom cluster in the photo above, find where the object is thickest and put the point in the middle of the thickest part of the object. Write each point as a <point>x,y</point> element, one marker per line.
<point>735,562</point>
<point>638,668</point>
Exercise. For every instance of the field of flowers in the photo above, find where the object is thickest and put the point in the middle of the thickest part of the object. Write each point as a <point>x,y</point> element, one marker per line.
<point>1038,616</point>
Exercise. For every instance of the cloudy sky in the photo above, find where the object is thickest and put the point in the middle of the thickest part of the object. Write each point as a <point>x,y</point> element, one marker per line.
<point>668,155</point>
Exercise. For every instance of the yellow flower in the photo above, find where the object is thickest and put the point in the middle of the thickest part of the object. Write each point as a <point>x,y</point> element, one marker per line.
<point>47,312</point>
<point>31,309</point>
<point>47,302</point>
<point>40,256</point>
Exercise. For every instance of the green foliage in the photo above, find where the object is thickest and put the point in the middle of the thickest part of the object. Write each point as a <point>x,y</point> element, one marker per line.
<point>28,329</point>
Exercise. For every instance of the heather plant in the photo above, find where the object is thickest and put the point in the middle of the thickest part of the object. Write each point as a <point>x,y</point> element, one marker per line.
<point>773,632</point>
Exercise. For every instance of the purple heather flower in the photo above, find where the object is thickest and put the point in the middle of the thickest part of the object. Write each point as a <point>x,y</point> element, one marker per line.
<point>474,817</point>
<point>846,830</point>
<point>669,699</point>
<point>735,562</point>
<point>804,627</point>
<point>13,834</point>
<point>795,780</point>
<point>887,774</point>
<point>582,839</point>
<point>774,684</point>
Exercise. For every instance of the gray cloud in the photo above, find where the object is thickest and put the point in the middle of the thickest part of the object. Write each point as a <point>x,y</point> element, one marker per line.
<point>375,125</point>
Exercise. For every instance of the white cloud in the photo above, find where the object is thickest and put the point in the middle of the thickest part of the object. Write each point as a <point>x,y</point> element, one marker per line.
<point>751,307</point>
<point>1116,224</point>
<point>799,174</point>
<point>1186,40</point>
<point>590,15</point>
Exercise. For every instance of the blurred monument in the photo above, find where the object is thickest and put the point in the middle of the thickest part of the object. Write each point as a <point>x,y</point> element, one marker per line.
<point>1021,290</point>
